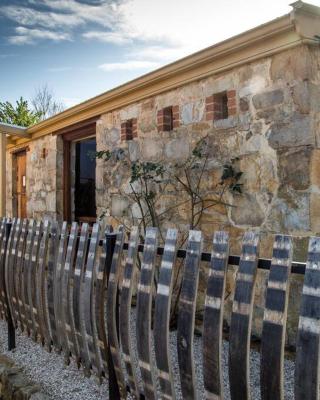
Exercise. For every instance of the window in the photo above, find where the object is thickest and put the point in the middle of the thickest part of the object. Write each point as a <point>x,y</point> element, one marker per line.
<point>129,129</point>
<point>168,118</point>
<point>221,105</point>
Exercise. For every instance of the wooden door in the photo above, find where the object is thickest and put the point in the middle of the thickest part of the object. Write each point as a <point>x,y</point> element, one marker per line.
<point>21,197</point>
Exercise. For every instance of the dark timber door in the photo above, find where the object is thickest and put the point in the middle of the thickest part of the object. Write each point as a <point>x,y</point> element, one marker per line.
<point>85,181</point>
<point>21,199</point>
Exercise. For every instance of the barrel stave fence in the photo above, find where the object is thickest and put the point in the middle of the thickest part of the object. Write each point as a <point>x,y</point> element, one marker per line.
<point>68,293</point>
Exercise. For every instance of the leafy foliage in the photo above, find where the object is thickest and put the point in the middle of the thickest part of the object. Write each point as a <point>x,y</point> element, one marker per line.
<point>20,114</point>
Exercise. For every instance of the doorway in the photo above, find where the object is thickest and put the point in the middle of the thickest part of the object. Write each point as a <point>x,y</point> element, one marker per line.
<point>85,180</point>
<point>79,172</point>
<point>20,195</point>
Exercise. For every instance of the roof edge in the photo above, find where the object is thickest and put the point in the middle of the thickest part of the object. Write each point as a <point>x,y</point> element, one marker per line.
<point>269,38</point>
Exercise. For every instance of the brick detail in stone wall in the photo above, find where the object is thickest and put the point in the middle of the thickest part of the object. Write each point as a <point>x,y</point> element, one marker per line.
<point>168,118</point>
<point>129,129</point>
<point>221,105</point>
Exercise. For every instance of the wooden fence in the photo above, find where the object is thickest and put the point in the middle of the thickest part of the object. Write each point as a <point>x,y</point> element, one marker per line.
<point>71,291</point>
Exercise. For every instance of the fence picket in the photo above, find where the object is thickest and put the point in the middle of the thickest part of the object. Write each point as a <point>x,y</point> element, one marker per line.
<point>31,283</point>
<point>11,266</point>
<point>144,309</point>
<point>308,340</point>
<point>129,274</point>
<point>241,319</point>
<point>67,285</point>
<point>94,357</point>
<point>213,317</point>
<point>112,306</point>
<point>57,301</point>
<point>53,254</point>
<point>274,320</point>
<point>77,301</point>
<point>25,274</point>
<point>2,258</point>
<point>41,287</point>
<point>162,316</point>
<point>18,272</point>
<point>186,317</point>
<point>100,295</point>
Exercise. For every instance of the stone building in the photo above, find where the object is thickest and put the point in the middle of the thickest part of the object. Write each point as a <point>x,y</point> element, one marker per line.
<point>256,97</point>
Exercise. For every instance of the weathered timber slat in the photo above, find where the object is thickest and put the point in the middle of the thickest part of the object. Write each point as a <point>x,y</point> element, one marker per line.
<point>274,320</point>
<point>67,294</point>
<point>162,316</point>
<point>100,296</point>
<point>308,339</point>
<point>25,309</point>
<point>19,271</point>
<point>10,271</point>
<point>94,359</point>
<point>2,257</point>
<point>144,309</point>
<point>41,287</point>
<point>52,258</point>
<point>97,296</point>
<point>129,274</point>
<point>32,281</point>
<point>57,301</point>
<point>186,315</point>
<point>241,319</point>
<point>112,306</point>
<point>78,296</point>
<point>213,317</point>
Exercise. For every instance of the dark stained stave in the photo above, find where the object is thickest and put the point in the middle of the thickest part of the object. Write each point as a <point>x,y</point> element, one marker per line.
<point>241,319</point>
<point>57,300</point>
<point>308,339</point>
<point>112,306</point>
<point>41,287</point>
<point>186,316</point>
<point>274,320</point>
<point>18,272</point>
<point>213,317</point>
<point>25,308</point>
<point>31,282</point>
<point>99,299</point>
<point>144,309</point>
<point>78,297</point>
<point>2,259</point>
<point>52,263</point>
<point>130,270</point>
<point>94,357</point>
<point>10,269</point>
<point>162,316</point>
<point>67,294</point>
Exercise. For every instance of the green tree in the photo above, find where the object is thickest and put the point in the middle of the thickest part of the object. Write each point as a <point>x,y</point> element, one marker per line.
<point>20,114</point>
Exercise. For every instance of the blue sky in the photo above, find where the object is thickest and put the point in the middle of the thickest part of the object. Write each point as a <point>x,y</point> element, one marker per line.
<point>81,48</point>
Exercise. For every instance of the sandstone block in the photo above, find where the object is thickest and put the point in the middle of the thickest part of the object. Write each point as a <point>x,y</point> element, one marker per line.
<point>247,211</point>
<point>268,99</point>
<point>296,132</point>
<point>294,167</point>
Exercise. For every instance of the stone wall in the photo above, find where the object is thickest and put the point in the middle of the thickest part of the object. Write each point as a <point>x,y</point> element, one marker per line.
<point>43,178</point>
<point>14,385</point>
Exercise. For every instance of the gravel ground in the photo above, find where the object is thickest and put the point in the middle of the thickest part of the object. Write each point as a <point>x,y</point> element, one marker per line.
<point>62,382</point>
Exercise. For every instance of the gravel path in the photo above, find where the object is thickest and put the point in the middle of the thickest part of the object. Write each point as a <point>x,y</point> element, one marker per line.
<point>62,382</point>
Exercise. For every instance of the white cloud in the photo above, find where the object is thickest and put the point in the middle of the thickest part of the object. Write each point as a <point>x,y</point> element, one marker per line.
<point>31,36</point>
<point>128,65</point>
<point>108,37</point>
<point>30,17</point>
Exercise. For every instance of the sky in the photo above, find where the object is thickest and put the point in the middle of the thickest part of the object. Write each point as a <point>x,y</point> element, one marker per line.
<point>82,48</point>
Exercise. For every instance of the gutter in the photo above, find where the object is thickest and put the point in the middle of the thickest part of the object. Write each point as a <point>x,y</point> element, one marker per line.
<point>13,130</point>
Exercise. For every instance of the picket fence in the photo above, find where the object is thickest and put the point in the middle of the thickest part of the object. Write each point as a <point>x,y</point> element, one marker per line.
<point>71,287</point>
